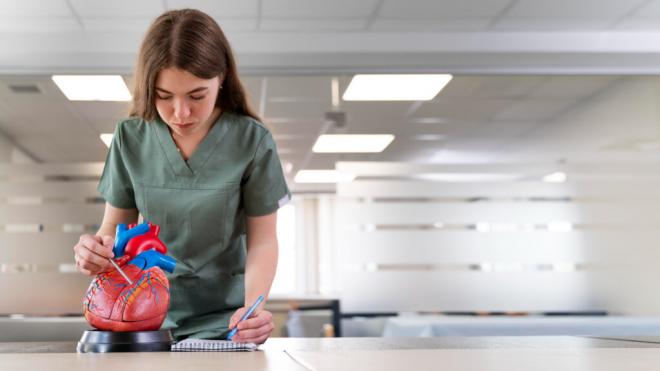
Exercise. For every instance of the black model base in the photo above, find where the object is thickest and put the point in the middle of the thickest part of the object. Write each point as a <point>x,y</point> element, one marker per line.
<point>95,341</point>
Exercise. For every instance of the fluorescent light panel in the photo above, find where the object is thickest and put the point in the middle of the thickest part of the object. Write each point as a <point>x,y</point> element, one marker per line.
<point>395,87</point>
<point>467,177</point>
<point>556,177</point>
<point>106,138</point>
<point>322,176</point>
<point>93,87</point>
<point>352,143</point>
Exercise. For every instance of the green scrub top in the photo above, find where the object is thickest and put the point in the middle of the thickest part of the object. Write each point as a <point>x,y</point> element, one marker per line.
<point>200,205</point>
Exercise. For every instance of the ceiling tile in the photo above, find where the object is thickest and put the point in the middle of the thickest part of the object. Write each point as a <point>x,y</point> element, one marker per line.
<point>103,115</point>
<point>317,8</point>
<point>313,24</point>
<point>471,150</point>
<point>40,147</point>
<point>639,24</point>
<point>72,148</point>
<point>442,9</point>
<point>325,161</point>
<point>96,23</point>
<point>362,112</point>
<point>435,25</point>
<point>576,87</point>
<point>25,108</point>
<point>552,24</point>
<point>117,8</point>
<point>219,8</point>
<point>490,86</point>
<point>34,8</point>
<point>457,129</point>
<point>649,10</point>
<point>534,110</point>
<point>612,9</point>
<point>300,87</point>
<point>461,109</point>
<point>506,129</point>
<point>42,83</point>
<point>309,128</point>
<point>38,24</point>
<point>313,111</point>
<point>236,24</point>
<point>141,24</point>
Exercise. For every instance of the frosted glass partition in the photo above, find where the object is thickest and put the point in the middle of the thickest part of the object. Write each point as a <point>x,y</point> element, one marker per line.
<point>409,240</point>
<point>43,210</point>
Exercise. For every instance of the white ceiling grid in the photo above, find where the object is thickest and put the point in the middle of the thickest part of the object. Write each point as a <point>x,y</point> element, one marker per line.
<point>366,15</point>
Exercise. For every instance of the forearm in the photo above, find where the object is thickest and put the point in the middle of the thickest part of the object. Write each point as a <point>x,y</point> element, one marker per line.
<point>113,216</point>
<point>260,270</point>
<point>107,229</point>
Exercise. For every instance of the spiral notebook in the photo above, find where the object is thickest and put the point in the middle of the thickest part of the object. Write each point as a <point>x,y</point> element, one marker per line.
<point>205,345</point>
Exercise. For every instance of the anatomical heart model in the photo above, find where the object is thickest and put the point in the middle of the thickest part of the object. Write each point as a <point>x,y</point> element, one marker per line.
<point>111,303</point>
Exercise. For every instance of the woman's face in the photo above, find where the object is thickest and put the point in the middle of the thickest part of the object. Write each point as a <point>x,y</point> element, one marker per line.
<point>184,101</point>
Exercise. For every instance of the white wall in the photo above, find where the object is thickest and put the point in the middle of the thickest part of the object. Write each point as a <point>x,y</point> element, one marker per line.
<point>40,221</point>
<point>406,244</point>
<point>393,257</point>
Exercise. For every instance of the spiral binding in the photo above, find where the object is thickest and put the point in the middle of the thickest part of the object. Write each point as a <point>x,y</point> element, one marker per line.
<point>206,345</point>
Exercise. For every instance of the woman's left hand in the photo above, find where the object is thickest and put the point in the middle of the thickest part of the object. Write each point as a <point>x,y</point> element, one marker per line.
<point>255,329</point>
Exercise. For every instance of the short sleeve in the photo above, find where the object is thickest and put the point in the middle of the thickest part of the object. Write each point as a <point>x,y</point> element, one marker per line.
<point>264,188</point>
<point>115,185</point>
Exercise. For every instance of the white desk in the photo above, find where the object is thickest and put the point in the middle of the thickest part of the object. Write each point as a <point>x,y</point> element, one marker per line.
<point>485,353</point>
<point>429,325</point>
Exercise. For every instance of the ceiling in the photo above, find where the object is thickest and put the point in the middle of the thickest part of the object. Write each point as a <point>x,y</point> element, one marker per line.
<point>474,119</point>
<point>340,15</point>
<point>520,66</point>
<point>320,36</point>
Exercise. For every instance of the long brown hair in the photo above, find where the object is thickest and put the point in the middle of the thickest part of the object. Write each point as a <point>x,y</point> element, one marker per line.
<point>189,40</point>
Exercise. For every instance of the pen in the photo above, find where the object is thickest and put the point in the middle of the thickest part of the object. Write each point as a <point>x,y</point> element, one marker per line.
<point>245,316</point>
<point>120,271</point>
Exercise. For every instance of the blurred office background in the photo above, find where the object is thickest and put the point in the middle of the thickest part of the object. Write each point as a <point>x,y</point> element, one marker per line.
<point>522,199</point>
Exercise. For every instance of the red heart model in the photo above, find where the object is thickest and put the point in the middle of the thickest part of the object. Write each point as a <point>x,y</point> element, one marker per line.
<point>112,304</point>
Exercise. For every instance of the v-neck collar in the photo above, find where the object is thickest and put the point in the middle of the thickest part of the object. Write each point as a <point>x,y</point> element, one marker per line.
<point>201,154</point>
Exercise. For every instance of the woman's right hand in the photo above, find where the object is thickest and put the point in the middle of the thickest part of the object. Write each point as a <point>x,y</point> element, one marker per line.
<point>92,253</point>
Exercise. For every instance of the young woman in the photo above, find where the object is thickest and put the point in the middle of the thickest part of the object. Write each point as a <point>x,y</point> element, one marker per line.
<point>194,159</point>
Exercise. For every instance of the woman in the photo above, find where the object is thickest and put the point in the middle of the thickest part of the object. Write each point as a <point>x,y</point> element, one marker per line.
<point>194,158</point>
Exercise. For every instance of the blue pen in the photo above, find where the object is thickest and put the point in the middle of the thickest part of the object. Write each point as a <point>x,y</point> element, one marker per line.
<point>245,316</point>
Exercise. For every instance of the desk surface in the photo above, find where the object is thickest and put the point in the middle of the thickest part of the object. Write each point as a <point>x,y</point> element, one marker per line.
<point>466,353</point>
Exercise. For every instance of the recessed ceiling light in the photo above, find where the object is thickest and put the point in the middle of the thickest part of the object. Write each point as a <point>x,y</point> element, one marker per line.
<point>428,120</point>
<point>556,177</point>
<point>395,87</point>
<point>467,177</point>
<point>352,143</point>
<point>560,226</point>
<point>429,137</point>
<point>107,139</point>
<point>93,87</point>
<point>322,176</point>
